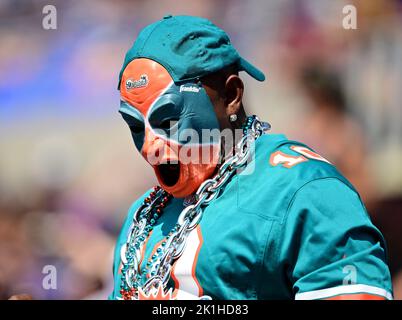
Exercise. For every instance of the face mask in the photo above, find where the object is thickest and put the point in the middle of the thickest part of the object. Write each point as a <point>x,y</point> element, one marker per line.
<point>174,126</point>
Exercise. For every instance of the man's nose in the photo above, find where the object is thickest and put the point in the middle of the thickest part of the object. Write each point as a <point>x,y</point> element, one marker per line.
<point>153,148</point>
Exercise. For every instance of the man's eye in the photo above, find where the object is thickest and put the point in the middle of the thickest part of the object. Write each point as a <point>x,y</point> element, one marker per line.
<point>136,125</point>
<point>136,128</point>
<point>167,124</point>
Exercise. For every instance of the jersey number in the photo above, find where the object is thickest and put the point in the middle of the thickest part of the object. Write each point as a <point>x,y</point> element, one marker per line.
<point>288,161</point>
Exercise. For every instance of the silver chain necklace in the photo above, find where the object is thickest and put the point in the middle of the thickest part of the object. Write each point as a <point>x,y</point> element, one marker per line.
<point>160,267</point>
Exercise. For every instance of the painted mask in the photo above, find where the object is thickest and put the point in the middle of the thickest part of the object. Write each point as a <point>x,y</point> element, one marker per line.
<point>174,126</point>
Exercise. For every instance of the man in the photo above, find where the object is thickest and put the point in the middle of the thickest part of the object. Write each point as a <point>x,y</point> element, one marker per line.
<point>272,220</point>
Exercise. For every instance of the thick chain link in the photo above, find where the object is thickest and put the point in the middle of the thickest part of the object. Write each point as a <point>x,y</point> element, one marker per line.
<point>191,216</point>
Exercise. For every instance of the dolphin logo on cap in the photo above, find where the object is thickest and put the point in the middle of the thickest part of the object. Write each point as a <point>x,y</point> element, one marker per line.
<point>134,84</point>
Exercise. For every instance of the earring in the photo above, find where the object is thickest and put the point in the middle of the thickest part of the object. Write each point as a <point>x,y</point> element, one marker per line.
<point>233,117</point>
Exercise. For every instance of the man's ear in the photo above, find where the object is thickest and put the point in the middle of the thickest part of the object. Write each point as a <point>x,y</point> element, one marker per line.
<point>234,89</point>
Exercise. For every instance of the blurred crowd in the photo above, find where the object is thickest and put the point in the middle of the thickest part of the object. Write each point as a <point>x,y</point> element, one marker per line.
<point>68,168</point>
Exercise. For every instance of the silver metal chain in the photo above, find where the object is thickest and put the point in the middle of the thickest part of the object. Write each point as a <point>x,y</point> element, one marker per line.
<point>190,217</point>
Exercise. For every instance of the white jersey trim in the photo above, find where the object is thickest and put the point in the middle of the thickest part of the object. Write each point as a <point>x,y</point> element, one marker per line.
<point>347,289</point>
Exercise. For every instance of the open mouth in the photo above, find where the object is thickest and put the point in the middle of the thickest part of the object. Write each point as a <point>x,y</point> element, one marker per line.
<point>169,173</point>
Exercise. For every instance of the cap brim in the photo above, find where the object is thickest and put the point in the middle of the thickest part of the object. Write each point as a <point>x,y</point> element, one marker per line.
<point>257,74</point>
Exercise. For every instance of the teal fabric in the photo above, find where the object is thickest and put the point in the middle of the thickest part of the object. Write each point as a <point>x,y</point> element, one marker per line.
<point>275,232</point>
<point>188,48</point>
<point>362,247</point>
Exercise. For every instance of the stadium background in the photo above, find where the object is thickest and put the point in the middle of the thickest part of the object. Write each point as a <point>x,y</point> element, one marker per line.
<point>68,168</point>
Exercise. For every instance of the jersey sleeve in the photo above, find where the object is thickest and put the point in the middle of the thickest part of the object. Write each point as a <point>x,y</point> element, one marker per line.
<point>332,249</point>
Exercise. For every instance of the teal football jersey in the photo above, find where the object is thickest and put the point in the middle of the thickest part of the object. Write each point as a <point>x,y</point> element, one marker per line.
<point>290,226</point>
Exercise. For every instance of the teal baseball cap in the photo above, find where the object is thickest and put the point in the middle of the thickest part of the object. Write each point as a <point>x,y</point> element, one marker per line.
<point>188,48</point>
